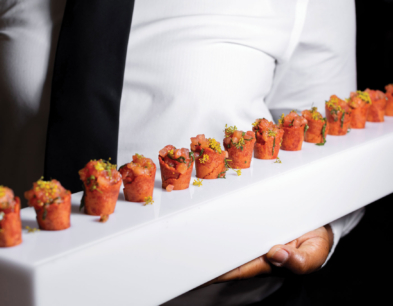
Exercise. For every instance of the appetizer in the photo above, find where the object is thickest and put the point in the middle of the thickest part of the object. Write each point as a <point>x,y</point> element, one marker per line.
<point>239,146</point>
<point>10,224</point>
<point>101,182</point>
<point>138,178</point>
<point>338,115</point>
<point>52,204</point>
<point>176,167</point>
<point>210,160</point>
<point>359,102</point>
<point>294,127</point>
<point>268,139</point>
<point>318,126</point>
<point>389,102</point>
<point>376,112</point>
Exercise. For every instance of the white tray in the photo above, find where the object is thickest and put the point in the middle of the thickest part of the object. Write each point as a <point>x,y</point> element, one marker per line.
<point>146,255</point>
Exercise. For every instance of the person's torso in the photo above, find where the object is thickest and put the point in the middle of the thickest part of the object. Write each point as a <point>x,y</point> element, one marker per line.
<point>193,67</point>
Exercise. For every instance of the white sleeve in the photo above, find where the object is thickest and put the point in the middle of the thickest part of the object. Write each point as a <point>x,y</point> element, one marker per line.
<point>343,226</point>
<point>28,39</point>
<point>323,63</point>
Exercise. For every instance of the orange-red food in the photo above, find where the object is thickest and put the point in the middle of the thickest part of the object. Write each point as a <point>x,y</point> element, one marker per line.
<point>294,127</point>
<point>102,183</point>
<point>52,203</point>
<point>209,158</point>
<point>10,224</point>
<point>138,178</point>
<point>338,115</point>
<point>389,102</point>
<point>376,112</point>
<point>240,146</point>
<point>176,167</point>
<point>359,102</point>
<point>318,127</point>
<point>268,139</point>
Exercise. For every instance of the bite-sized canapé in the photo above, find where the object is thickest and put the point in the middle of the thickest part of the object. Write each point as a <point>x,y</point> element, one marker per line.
<point>268,139</point>
<point>52,203</point>
<point>389,102</point>
<point>176,167</point>
<point>10,224</point>
<point>338,115</point>
<point>318,127</point>
<point>101,183</point>
<point>376,112</point>
<point>294,127</point>
<point>138,178</point>
<point>360,103</point>
<point>209,157</point>
<point>239,146</point>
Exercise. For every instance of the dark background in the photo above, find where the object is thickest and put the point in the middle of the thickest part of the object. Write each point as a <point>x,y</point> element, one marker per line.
<point>360,271</point>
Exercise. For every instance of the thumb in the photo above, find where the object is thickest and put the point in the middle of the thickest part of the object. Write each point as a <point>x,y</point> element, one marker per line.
<point>308,258</point>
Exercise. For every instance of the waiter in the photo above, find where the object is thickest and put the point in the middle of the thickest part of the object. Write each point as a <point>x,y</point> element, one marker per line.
<point>114,78</point>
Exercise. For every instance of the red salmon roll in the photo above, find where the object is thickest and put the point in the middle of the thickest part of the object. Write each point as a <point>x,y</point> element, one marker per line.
<point>239,146</point>
<point>176,167</point>
<point>209,158</point>
<point>338,115</point>
<point>318,127</point>
<point>101,183</point>
<point>360,103</point>
<point>52,204</point>
<point>389,102</point>
<point>376,112</point>
<point>10,224</point>
<point>138,178</point>
<point>294,127</point>
<point>268,139</point>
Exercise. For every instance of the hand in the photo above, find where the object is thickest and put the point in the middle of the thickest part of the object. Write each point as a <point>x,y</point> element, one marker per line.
<point>301,256</point>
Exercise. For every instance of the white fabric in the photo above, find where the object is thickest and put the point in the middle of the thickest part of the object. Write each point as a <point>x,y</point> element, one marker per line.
<point>28,38</point>
<point>323,62</point>
<point>192,67</point>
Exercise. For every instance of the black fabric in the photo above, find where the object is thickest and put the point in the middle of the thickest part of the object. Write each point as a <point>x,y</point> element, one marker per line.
<point>291,293</point>
<point>86,87</point>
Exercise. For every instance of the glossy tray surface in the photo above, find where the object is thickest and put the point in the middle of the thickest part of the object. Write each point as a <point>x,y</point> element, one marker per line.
<point>269,203</point>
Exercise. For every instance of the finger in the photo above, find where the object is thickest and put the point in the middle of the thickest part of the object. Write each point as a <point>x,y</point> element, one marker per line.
<point>308,258</point>
<point>319,232</point>
<point>293,243</point>
<point>255,267</point>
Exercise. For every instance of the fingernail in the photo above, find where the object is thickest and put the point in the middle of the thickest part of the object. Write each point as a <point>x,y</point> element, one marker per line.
<point>279,257</point>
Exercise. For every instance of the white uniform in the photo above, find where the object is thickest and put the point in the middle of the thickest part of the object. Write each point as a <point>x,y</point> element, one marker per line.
<point>192,67</point>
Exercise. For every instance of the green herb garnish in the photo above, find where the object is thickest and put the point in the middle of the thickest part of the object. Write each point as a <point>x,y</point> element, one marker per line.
<point>191,154</point>
<point>181,159</point>
<point>222,173</point>
<point>323,135</point>
<point>45,213</point>
<point>274,145</point>
<point>342,119</point>
<point>333,112</point>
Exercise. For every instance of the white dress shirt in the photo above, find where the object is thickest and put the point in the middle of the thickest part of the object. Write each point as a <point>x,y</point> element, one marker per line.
<point>191,68</point>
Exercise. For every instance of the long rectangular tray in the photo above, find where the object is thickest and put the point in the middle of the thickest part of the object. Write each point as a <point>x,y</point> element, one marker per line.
<point>146,255</point>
